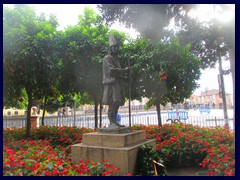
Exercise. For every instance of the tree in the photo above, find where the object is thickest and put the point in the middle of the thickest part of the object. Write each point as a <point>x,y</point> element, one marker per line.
<point>158,17</point>
<point>148,19</point>
<point>83,47</point>
<point>151,20</point>
<point>210,39</point>
<point>29,55</point>
<point>163,72</point>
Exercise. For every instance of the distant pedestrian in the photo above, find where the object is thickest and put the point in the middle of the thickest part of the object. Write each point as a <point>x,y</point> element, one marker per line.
<point>118,118</point>
<point>64,110</point>
<point>194,106</point>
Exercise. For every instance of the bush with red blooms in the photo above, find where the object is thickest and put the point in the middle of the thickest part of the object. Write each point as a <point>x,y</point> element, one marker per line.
<point>220,160</point>
<point>185,145</point>
<point>47,152</point>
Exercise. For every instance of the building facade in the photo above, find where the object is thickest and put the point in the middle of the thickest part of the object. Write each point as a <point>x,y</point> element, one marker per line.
<point>211,98</point>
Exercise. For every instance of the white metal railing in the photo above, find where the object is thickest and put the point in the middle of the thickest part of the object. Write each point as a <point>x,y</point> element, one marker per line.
<point>144,118</point>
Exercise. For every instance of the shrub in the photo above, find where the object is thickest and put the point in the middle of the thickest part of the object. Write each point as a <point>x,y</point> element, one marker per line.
<point>178,145</point>
<point>185,145</point>
<point>39,158</point>
<point>146,158</point>
<point>220,161</point>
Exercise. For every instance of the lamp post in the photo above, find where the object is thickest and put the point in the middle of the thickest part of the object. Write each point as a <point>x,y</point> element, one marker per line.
<point>222,91</point>
<point>206,99</point>
<point>129,93</point>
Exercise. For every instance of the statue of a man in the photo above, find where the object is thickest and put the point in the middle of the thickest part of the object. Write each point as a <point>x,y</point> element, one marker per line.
<point>113,77</point>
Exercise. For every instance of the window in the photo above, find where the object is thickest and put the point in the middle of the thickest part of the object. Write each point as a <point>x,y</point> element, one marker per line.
<point>214,97</point>
<point>8,113</point>
<point>25,112</point>
<point>15,113</point>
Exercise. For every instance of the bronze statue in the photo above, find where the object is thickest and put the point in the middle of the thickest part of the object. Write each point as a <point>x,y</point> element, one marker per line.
<point>113,77</point>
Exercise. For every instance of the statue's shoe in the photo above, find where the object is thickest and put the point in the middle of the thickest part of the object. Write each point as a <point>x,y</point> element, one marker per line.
<point>115,125</point>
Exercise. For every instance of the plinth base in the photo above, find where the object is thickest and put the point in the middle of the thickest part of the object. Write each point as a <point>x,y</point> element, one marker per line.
<point>118,149</point>
<point>118,130</point>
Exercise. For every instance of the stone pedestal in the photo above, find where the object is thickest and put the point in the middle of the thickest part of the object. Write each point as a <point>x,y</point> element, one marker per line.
<point>34,121</point>
<point>115,130</point>
<point>34,118</point>
<point>118,149</point>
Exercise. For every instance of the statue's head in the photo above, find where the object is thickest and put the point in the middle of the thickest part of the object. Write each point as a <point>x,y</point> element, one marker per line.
<point>113,45</point>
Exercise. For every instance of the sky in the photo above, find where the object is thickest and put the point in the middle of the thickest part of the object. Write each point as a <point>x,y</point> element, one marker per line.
<point>67,14</point>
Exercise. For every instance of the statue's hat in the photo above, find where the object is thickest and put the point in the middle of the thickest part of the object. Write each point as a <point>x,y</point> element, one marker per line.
<point>112,40</point>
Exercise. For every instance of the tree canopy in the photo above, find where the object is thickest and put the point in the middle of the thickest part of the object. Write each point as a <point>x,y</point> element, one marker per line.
<point>148,19</point>
<point>62,66</point>
<point>29,55</point>
<point>151,20</point>
<point>163,72</point>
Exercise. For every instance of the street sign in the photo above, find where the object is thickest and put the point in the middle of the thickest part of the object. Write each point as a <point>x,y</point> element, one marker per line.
<point>203,109</point>
<point>181,115</point>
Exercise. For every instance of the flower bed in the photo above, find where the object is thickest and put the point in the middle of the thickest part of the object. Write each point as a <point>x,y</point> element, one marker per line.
<point>48,154</point>
<point>185,145</point>
<point>179,145</point>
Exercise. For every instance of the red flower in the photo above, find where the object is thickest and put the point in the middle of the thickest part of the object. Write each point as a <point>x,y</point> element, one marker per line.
<point>161,74</point>
<point>196,134</point>
<point>164,78</point>
<point>203,149</point>
<point>211,154</point>
<point>229,174</point>
<point>37,165</point>
<point>223,149</point>
<point>11,158</point>
<point>198,140</point>
<point>173,139</point>
<point>225,159</point>
<point>10,151</point>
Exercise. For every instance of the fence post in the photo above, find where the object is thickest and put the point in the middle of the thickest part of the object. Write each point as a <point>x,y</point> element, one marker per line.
<point>74,122</point>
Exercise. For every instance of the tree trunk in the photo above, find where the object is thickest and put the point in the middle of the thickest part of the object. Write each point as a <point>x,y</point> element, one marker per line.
<point>159,114</point>
<point>28,125</point>
<point>44,109</point>
<point>96,113</point>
